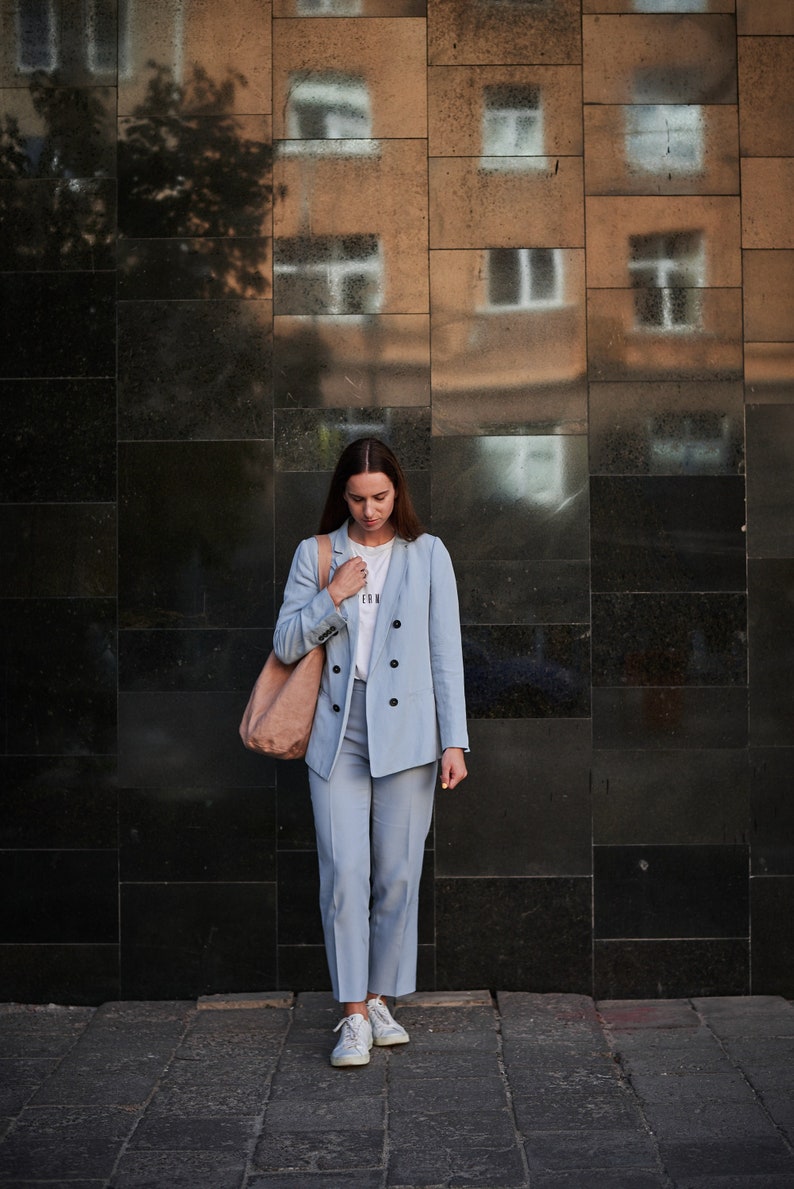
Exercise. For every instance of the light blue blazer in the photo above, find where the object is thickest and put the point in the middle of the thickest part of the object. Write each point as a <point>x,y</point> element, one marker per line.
<point>415,697</point>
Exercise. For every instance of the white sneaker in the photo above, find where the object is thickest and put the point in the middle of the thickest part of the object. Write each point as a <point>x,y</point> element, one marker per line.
<point>354,1044</point>
<point>385,1029</point>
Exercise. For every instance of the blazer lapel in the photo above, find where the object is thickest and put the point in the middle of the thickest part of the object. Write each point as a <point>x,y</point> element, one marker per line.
<point>342,550</point>
<point>395,577</point>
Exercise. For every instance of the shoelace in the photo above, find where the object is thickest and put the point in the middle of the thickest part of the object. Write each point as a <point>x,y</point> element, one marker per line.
<point>351,1035</point>
<point>380,1009</point>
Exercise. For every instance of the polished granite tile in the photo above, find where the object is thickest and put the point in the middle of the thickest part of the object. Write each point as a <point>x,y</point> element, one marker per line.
<point>659,718</point>
<point>350,8</point>
<point>512,498</point>
<point>58,803</point>
<point>515,592</point>
<point>532,934</point>
<point>58,45</point>
<point>661,148</point>
<point>459,32</point>
<point>49,226</point>
<point>313,439</point>
<point>58,550</point>
<point>768,287</point>
<point>772,906</point>
<point>299,921</point>
<point>191,660</point>
<point>766,78</point>
<point>58,131</point>
<point>60,441</point>
<point>670,797</point>
<point>667,429</point>
<point>187,740</point>
<point>660,58</point>
<point>219,56</point>
<point>206,563</point>
<point>74,974</point>
<point>669,639</point>
<point>61,676</point>
<point>199,835</point>
<point>527,672</point>
<point>536,777</point>
<point>771,629</point>
<point>37,339</point>
<point>764,16</point>
<point>508,343</point>
<point>380,361</point>
<point>770,480</point>
<point>195,269</point>
<point>195,370</point>
<point>769,373</point>
<point>772,809</point>
<point>671,891</point>
<point>675,968</point>
<point>175,177</point>
<point>66,897</point>
<point>295,825</point>
<point>471,206</point>
<point>767,184</point>
<point>657,334</point>
<point>682,533</point>
<point>669,6</point>
<point>182,940</point>
<point>348,80</point>
<point>304,967</point>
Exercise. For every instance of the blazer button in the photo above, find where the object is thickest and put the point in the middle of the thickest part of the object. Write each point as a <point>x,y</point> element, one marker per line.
<point>396,624</point>
<point>337,669</point>
<point>336,709</point>
<point>393,701</point>
<point>394,664</point>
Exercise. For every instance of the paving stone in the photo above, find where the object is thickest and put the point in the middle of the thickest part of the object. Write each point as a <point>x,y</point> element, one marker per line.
<point>744,1181</point>
<point>726,1085</point>
<point>19,1080</point>
<point>641,1014</point>
<point>445,1094</point>
<point>560,1151</point>
<point>211,1099</point>
<point>279,1150</point>
<point>707,1119</point>
<point>179,1170</point>
<point>563,1110</point>
<point>407,1062</point>
<point>637,1179</point>
<point>318,1180</point>
<point>59,1142</point>
<point>726,1156</point>
<point>179,1135</point>
<point>456,1150</point>
<point>331,1114</point>
<point>41,1031</point>
<point>306,1082</point>
<point>781,1111</point>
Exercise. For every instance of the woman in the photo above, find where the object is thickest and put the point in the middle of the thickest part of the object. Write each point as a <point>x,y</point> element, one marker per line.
<point>391,704</point>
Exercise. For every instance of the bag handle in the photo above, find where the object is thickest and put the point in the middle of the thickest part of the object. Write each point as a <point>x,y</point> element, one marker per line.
<point>323,559</point>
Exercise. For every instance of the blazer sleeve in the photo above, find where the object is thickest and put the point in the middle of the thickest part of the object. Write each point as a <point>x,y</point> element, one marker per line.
<point>308,616</point>
<point>446,652</point>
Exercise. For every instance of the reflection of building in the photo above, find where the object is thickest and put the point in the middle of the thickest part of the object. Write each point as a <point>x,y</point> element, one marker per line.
<point>524,278</point>
<point>329,106</point>
<point>512,127</point>
<point>666,270</point>
<point>328,274</point>
<point>44,37</point>
<point>665,137</point>
<point>697,443</point>
<point>671,5</point>
<point>326,8</point>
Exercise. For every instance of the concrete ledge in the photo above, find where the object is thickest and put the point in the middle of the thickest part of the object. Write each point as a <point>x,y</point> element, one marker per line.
<point>254,999</point>
<point>446,999</point>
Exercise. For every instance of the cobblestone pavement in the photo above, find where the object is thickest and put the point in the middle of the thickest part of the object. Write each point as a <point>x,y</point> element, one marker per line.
<point>520,1091</point>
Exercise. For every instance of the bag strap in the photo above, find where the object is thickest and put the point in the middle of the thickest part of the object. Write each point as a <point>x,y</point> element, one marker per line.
<point>323,559</point>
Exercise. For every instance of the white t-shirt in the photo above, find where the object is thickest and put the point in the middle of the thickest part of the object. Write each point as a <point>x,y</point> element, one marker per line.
<point>377,558</point>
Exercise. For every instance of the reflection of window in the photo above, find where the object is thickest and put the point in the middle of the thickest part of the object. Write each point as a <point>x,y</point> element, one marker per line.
<point>331,107</point>
<point>101,35</point>
<point>665,138</point>
<point>37,35</point>
<point>671,5</point>
<point>524,278</point>
<point>666,270</point>
<point>529,469</point>
<point>512,124</point>
<point>338,8</point>
<point>692,443</point>
<point>329,274</point>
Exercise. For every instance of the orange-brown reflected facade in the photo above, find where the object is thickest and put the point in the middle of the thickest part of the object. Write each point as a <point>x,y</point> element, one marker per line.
<point>546,249</point>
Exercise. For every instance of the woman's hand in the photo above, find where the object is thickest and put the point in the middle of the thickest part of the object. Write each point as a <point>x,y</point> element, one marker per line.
<point>348,580</point>
<point>453,767</point>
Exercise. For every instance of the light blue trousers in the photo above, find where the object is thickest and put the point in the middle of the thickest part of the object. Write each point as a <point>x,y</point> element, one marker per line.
<point>371,835</point>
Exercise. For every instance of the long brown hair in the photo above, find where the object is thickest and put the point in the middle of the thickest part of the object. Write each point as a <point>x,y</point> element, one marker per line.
<point>370,456</point>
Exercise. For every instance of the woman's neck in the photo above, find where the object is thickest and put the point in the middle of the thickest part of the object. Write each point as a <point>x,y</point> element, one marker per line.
<point>382,536</point>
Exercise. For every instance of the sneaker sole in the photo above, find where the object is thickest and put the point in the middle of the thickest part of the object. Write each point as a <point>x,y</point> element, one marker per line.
<point>390,1040</point>
<point>343,1062</point>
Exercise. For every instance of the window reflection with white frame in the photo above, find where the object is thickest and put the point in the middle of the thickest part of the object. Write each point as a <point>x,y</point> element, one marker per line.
<point>671,5</point>
<point>329,274</point>
<point>512,127</point>
<point>329,8</point>
<point>667,271</point>
<point>524,279</point>
<point>329,107</point>
<point>665,138</point>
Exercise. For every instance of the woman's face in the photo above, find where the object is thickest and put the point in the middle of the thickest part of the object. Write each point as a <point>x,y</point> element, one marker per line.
<point>370,498</point>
